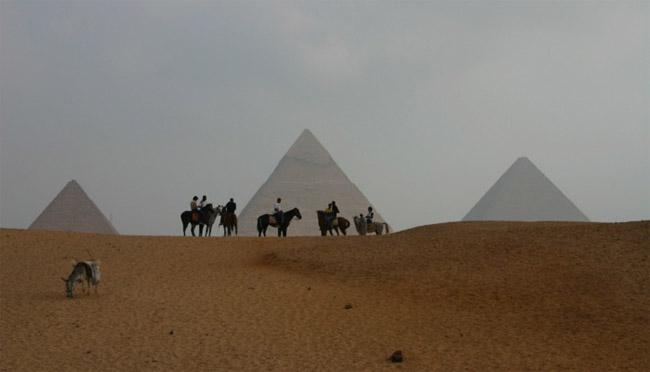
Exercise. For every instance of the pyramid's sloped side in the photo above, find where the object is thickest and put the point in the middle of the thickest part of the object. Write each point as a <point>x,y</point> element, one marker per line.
<point>73,210</point>
<point>524,193</point>
<point>307,178</point>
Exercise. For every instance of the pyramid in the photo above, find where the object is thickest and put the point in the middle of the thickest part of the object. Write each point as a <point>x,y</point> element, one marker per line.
<point>308,178</point>
<point>73,210</point>
<point>524,193</point>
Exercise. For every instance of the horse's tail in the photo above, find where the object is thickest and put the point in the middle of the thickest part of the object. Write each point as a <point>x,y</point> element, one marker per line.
<point>346,223</point>
<point>387,228</point>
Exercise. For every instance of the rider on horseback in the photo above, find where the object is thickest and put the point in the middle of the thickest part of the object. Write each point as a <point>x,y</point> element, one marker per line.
<point>332,214</point>
<point>196,208</point>
<point>369,216</point>
<point>231,206</point>
<point>277,212</point>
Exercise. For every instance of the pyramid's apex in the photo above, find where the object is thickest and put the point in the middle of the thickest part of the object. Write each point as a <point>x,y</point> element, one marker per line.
<point>524,193</point>
<point>73,210</point>
<point>307,147</point>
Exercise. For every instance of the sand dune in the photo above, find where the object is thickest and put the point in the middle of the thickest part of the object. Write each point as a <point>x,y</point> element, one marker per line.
<point>459,296</point>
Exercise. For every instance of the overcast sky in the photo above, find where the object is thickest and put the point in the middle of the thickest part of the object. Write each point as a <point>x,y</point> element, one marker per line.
<point>424,105</point>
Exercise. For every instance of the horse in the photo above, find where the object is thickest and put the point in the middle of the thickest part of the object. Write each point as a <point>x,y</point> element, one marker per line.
<point>363,227</point>
<point>265,220</point>
<point>192,217</point>
<point>337,223</point>
<point>84,272</point>
<point>218,211</point>
<point>229,222</point>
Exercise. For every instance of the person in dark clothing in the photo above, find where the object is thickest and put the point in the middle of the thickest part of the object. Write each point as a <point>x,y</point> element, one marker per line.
<point>332,216</point>
<point>231,206</point>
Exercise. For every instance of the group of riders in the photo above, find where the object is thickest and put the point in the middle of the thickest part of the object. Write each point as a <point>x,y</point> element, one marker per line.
<point>200,207</point>
<point>331,212</point>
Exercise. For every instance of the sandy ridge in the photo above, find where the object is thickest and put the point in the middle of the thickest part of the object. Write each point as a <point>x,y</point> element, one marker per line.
<point>477,296</point>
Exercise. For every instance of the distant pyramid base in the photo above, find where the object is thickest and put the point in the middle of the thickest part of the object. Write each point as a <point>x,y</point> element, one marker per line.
<point>524,193</point>
<point>308,178</point>
<point>73,210</point>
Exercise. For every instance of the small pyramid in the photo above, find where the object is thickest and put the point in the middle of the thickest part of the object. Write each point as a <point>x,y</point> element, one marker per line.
<point>524,193</point>
<point>73,210</point>
<point>308,178</point>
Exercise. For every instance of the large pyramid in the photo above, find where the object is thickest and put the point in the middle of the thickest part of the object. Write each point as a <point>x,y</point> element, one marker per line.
<point>73,210</point>
<point>308,178</point>
<point>524,193</point>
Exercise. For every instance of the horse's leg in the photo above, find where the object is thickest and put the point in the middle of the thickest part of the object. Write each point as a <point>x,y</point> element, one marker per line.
<point>184,227</point>
<point>192,229</point>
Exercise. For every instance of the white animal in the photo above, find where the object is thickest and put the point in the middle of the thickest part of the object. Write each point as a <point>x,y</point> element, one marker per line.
<point>85,272</point>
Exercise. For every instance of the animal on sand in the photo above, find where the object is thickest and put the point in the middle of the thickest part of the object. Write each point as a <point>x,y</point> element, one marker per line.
<point>376,227</point>
<point>217,212</point>
<point>85,272</point>
<point>193,217</point>
<point>265,220</point>
<point>229,222</point>
<point>338,223</point>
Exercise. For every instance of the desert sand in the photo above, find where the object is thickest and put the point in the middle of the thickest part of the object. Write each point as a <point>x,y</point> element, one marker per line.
<point>481,296</point>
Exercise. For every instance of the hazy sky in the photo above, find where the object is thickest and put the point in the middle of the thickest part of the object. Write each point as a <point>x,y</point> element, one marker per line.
<point>424,105</point>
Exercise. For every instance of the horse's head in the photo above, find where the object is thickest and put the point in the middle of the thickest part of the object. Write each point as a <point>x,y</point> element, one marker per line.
<point>298,213</point>
<point>69,287</point>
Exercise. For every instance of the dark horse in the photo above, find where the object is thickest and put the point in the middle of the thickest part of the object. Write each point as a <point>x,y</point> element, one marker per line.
<point>191,217</point>
<point>229,222</point>
<point>339,223</point>
<point>263,222</point>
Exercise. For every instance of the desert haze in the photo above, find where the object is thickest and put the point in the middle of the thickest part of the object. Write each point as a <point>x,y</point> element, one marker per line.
<point>500,296</point>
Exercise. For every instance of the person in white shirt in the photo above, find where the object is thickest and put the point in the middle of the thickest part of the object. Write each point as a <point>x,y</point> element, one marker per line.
<point>370,216</point>
<point>277,211</point>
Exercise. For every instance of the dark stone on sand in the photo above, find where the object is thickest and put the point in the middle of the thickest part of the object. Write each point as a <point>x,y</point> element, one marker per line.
<point>397,357</point>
